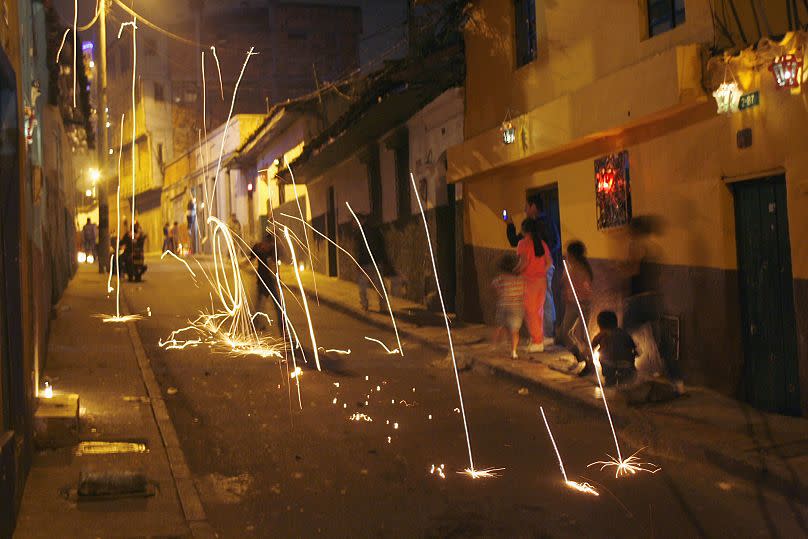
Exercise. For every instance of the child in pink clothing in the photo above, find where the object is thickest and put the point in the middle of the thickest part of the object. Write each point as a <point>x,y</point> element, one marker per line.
<point>534,259</point>
<point>510,287</point>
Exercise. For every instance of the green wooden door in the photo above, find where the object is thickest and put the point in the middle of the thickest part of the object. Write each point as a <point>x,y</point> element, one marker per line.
<point>767,301</point>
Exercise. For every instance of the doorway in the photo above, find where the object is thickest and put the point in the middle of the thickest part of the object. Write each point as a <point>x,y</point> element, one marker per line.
<point>331,232</point>
<point>770,371</point>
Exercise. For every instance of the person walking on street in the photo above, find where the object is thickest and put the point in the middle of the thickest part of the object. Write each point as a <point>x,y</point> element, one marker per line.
<point>510,287</point>
<point>175,238</point>
<point>266,252</point>
<point>534,259</point>
<point>235,225</point>
<point>89,236</point>
<point>534,210</point>
<point>363,257</point>
<point>139,266</point>
<point>167,240</point>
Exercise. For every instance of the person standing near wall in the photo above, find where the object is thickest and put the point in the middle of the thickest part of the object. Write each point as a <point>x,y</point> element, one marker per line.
<point>534,210</point>
<point>534,260</point>
<point>363,257</point>
<point>89,236</point>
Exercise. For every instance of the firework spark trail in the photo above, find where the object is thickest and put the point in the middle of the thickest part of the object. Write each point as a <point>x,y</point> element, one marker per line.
<point>227,122</point>
<point>109,278</point>
<point>305,231</point>
<point>339,247</point>
<point>173,255</point>
<point>336,351</point>
<point>61,46</point>
<point>381,280</point>
<point>581,487</point>
<point>389,352</point>
<point>133,24</point>
<point>75,35</point>
<point>592,351</point>
<point>470,471</point>
<point>303,296</point>
<point>219,70</point>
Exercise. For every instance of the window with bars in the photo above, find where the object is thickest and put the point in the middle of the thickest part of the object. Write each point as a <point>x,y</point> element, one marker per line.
<point>664,15</point>
<point>526,38</point>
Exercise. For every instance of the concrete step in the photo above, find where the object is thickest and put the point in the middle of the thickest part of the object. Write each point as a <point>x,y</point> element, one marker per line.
<point>56,421</point>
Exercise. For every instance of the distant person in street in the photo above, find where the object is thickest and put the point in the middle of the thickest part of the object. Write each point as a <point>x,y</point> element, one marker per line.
<point>570,331</point>
<point>235,225</point>
<point>125,255</point>
<point>376,243</point>
<point>265,254</point>
<point>175,238</point>
<point>534,210</point>
<point>616,351</point>
<point>190,216</point>
<point>510,288</point>
<point>89,234</point>
<point>534,260</point>
<point>168,242</point>
<point>138,266</point>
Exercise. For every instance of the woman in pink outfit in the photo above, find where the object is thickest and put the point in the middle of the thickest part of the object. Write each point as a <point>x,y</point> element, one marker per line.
<point>534,259</point>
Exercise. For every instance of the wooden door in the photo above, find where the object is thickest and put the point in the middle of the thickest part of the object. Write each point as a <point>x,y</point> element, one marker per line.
<point>770,374</point>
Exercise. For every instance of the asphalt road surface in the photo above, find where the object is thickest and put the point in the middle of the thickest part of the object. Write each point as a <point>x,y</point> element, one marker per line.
<point>267,466</point>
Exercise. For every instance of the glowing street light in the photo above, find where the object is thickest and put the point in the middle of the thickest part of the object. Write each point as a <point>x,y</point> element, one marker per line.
<point>88,193</point>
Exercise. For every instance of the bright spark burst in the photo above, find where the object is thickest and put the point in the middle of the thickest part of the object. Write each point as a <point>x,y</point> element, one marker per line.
<point>381,279</point>
<point>387,350</point>
<point>361,417</point>
<point>482,474</point>
<point>627,467</point>
<point>119,319</point>
<point>296,373</point>
<point>586,488</point>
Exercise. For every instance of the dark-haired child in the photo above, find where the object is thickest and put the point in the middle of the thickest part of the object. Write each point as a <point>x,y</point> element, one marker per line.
<point>616,350</point>
<point>510,288</point>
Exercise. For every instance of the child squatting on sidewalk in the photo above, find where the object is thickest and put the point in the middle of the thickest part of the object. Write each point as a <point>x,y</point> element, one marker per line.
<point>615,349</point>
<point>510,288</point>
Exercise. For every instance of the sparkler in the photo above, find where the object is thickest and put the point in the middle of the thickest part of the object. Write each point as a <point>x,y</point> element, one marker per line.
<point>61,46</point>
<point>305,231</point>
<point>118,318</point>
<point>627,466</point>
<point>219,70</point>
<point>379,274</point>
<point>389,352</point>
<point>471,471</point>
<point>580,487</point>
<point>303,296</point>
<point>75,36</point>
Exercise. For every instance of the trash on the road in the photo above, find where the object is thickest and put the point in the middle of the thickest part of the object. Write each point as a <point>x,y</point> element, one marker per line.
<point>523,391</point>
<point>171,391</point>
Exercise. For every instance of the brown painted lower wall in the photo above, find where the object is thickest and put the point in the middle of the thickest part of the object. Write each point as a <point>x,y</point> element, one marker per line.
<point>706,301</point>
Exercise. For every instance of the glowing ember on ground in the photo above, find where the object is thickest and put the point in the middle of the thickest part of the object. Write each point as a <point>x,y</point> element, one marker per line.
<point>630,466</point>
<point>108,318</point>
<point>48,391</point>
<point>437,470</point>
<point>361,417</point>
<point>296,373</point>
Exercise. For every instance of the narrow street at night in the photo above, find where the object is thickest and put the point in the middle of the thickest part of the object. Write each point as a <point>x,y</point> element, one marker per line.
<point>265,467</point>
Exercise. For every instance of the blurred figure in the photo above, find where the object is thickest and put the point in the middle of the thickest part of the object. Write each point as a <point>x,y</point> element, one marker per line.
<point>168,242</point>
<point>266,252</point>
<point>510,287</point>
<point>235,225</point>
<point>570,331</point>
<point>376,244</point>
<point>138,258</point>
<point>175,237</point>
<point>89,235</point>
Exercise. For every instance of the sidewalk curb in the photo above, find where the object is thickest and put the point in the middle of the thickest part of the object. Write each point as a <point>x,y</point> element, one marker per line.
<point>183,481</point>
<point>634,427</point>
